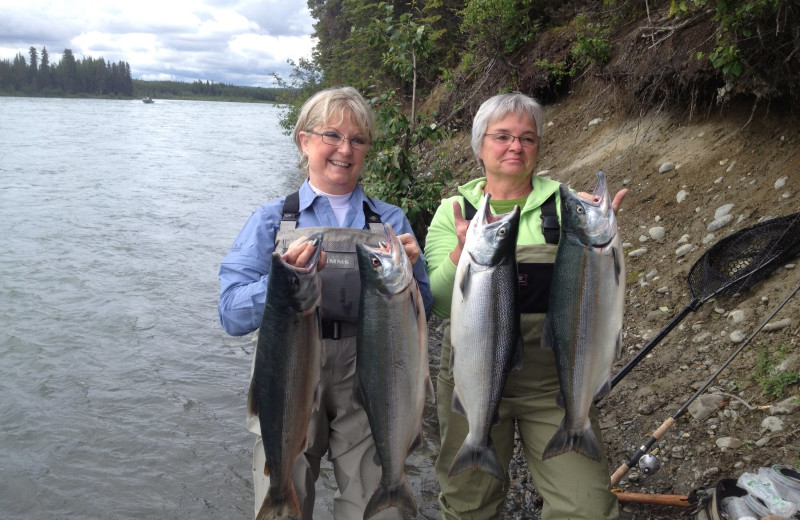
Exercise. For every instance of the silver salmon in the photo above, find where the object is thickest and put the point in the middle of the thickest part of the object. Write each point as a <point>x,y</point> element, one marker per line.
<point>392,374</point>
<point>283,391</point>
<point>486,338</point>
<point>584,319</point>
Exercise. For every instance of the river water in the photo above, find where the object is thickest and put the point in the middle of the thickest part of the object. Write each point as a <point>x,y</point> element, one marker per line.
<point>120,394</point>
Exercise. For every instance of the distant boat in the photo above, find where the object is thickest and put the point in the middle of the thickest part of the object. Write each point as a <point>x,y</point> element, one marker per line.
<point>147,99</point>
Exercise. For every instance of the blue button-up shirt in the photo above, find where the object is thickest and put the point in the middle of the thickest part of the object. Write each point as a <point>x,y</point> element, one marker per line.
<point>244,272</point>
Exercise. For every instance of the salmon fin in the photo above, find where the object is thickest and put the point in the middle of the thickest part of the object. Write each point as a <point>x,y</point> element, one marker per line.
<point>399,496</point>
<point>547,334</point>
<point>617,265</point>
<point>516,357</point>
<point>429,389</point>
<point>457,406</point>
<point>286,506</point>
<point>603,391</point>
<point>358,398</point>
<point>251,401</point>
<point>417,442</point>
<point>452,358</point>
<point>464,283</point>
<point>560,401</point>
<point>583,442</point>
<point>473,456</point>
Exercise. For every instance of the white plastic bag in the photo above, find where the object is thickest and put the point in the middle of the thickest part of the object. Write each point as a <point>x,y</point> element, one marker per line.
<point>763,488</point>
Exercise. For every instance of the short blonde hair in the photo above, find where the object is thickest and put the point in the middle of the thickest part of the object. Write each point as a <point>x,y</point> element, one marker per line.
<point>328,106</point>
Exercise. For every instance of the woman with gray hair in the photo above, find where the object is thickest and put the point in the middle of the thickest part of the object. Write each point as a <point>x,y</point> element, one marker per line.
<point>333,134</point>
<point>506,134</point>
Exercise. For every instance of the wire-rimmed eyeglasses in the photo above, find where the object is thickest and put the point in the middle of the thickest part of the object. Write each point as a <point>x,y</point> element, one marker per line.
<point>336,139</point>
<point>504,139</point>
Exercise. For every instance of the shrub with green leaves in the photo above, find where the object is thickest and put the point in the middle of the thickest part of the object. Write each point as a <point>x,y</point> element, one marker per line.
<point>772,381</point>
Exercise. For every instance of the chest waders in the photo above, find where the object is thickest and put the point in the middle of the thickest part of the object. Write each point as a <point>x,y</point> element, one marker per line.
<point>528,404</point>
<point>338,429</point>
<point>341,284</point>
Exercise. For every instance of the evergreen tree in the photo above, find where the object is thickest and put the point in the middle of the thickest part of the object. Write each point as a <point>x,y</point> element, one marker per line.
<point>34,68</point>
<point>44,70</point>
<point>68,72</point>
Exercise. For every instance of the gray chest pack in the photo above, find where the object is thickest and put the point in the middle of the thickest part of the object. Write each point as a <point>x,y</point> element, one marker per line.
<point>341,284</point>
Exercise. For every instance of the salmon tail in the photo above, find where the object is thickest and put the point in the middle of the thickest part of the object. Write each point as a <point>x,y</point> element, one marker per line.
<point>563,441</point>
<point>280,506</point>
<point>473,456</point>
<point>399,496</point>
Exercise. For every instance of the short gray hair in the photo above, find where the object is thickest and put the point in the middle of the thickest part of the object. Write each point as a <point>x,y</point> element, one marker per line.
<point>328,106</point>
<point>499,106</point>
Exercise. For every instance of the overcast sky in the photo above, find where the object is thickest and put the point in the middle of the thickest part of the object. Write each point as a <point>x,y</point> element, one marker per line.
<point>239,42</point>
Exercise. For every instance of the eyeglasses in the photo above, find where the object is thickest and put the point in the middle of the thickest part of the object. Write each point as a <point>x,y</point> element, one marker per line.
<point>336,139</point>
<point>504,139</point>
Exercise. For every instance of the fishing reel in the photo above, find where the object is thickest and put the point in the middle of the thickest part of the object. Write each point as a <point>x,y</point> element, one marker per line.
<point>649,464</point>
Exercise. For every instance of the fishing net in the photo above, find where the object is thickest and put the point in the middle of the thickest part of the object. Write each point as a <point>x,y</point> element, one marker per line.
<point>745,257</point>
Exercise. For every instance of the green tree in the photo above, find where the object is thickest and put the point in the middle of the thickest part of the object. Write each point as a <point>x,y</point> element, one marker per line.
<point>68,72</point>
<point>34,67</point>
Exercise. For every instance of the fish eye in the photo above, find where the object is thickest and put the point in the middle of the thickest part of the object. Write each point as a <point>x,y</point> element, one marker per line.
<point>579,209</point>
<point>502,232</point>
<point>375,261</point>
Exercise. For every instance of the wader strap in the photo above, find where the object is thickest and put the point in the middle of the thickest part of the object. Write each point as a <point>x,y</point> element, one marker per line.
<point>291,212</point>
<point>550,226</point>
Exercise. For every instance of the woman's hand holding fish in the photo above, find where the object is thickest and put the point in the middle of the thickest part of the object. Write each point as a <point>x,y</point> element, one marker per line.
<point>461,225</point>
<point>300,252</point>
<point>411,246</point>
<point>615,204</point>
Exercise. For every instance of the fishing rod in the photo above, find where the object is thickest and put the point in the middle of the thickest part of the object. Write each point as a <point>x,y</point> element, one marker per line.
<point>731,265</point>
<point>651,462</point>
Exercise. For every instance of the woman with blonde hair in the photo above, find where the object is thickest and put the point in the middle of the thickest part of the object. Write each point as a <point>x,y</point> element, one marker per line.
<point>333,134</point>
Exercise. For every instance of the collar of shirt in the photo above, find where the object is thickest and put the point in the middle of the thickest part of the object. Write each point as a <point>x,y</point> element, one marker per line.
<point>323,212</point>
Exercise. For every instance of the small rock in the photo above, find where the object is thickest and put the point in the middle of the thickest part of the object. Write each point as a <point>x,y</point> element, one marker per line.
<point>702,337</point>
<point>681,196</point>
<point>786,407</point>
<point>643,238</point>
<point>684,239</point>
<point>722,211</point>
<point>737,336</point>
<point>789,266</point>
<point>772,424</point>
<point>719,180</point>
<point>638,252</point>
<point>596,121</point>
<point>762,442</point>
<point>657,232</point>
<point>719,223</point>
<point>735,317</point>
<point>777,325</point>
<point>667,166</point>
<point>725,443</point>
<point>684,249</point>
<point>780,183</point>
<point>708,238</point>
<point>705,406</point>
